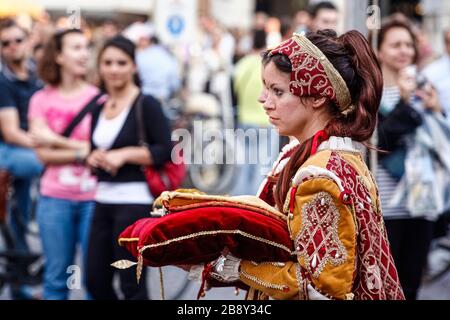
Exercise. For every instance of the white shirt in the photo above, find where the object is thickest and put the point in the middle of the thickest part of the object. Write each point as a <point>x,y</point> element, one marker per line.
<point>107,130</point>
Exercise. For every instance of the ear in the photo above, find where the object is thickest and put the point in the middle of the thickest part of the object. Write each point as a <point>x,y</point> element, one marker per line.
<point>315,102</point>
<point>58,58</point>
<point>379,55</point>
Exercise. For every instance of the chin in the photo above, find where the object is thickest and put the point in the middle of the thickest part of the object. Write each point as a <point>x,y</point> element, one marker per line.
<point>117,86</point>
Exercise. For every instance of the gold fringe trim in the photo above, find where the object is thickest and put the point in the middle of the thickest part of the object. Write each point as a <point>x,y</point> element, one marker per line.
<point>274,264</point>
<point>207,233</point>
<point>263,283</point>
<point>264,211</point>
<point>171,196</point>
<point>122,240</point>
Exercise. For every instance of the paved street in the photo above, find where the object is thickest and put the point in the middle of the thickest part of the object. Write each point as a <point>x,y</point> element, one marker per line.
<point>172,278</point>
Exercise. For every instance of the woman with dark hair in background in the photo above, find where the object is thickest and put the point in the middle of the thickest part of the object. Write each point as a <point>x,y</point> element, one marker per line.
<point>117,158</point>
<point>325,91</point>
<point>404,105</point>
<point>67,187</point>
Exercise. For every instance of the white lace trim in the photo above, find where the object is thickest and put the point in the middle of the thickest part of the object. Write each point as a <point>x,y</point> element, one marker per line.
<point>341,144</point>
<point>311,172</point>
<point>279,164</point>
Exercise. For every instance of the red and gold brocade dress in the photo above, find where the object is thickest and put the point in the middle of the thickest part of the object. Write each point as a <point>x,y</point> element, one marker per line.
<point>336,223</point>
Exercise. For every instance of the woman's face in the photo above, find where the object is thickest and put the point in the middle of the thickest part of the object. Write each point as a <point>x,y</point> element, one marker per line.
<point>397,50</point>
<point>74,56</point>
<point>116,68</point>
<point>285,110</point>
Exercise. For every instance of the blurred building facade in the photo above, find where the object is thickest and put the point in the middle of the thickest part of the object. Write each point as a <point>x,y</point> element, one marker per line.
<point>434,14</point>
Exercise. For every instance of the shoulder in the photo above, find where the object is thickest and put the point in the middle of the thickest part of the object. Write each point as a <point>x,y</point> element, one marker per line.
<point>5,83</point>
<point>249,61</point>
<point>92,90</point>
<point>44,94</point>
<point>317,174</point>
<point>150,103</point>
<point>333,171</point>
<point>334,164</point>
<point>436,67</point>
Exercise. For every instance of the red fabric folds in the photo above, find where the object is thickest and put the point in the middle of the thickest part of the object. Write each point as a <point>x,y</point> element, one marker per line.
<point>199,235</point>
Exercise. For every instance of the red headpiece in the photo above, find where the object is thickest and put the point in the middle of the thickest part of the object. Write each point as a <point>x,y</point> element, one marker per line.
<point>312,73</point>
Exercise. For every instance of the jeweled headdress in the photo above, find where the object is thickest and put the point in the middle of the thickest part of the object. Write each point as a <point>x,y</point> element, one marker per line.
<point>312,73</point>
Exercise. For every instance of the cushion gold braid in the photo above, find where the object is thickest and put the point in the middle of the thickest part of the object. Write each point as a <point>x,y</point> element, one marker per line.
<point>342,93</point>
<point>215,232</point>
<point>175,201</point>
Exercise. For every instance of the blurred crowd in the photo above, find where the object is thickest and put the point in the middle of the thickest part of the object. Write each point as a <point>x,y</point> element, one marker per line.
<point>90,178</point>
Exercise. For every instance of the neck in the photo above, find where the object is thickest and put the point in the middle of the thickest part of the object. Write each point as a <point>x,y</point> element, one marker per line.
<point>125,91</point>
<point>70,82</point>
<point>317,123</point>
<point>390,76</point>
<point>19,68</point>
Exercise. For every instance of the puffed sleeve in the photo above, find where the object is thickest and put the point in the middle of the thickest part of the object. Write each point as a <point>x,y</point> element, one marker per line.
<point>323,228</point>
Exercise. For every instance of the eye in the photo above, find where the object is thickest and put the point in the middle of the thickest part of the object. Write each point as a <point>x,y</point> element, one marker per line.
<point>278,92</point>
<point>122,63</point>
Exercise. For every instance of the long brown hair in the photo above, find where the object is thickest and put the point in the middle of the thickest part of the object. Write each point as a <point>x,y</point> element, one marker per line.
<point>48,69</point>
<point>356,62</point>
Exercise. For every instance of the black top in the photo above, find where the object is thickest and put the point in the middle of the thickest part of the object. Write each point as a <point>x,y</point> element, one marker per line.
<point>392,129</point>
<point>16,93</point>
<point>157,135</point>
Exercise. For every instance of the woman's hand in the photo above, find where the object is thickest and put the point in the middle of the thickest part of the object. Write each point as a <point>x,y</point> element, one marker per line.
<point>43,137</point>
<point>112,161</point>
<point>95,159</point>
<point>407,84</point>
<point>430,98</point>
<point>313,294</point>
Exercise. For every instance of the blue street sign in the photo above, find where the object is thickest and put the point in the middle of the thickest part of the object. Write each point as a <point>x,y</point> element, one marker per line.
<point>175,24</point>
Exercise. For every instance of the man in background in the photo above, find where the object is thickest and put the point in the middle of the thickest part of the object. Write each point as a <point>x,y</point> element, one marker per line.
<point>157,67</point>
<point>18,82</point>
<point>324,16</point>
<point>438,73</point>
<point>253,120</point>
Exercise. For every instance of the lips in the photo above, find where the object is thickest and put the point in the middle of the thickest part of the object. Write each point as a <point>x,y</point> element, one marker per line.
<point>272,120</point>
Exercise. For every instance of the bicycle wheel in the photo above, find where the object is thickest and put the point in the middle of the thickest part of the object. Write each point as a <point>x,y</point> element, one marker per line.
<point>214,175</point>
<point>175,281</point>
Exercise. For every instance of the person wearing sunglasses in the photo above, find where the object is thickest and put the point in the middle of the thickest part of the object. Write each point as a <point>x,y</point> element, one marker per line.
<point>18,82</point>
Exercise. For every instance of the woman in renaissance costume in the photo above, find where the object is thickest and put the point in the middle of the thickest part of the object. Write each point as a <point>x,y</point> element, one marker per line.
<point>325,91</point>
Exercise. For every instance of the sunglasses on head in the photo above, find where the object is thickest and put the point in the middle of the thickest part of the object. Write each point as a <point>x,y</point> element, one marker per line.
<point>6,43</point>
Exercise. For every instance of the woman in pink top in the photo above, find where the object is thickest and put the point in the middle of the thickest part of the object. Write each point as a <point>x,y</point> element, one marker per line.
<point>67,188</point>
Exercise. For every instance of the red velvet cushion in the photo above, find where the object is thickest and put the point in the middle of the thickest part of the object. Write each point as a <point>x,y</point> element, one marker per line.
<point>129,238</point>
<point>200,234</point>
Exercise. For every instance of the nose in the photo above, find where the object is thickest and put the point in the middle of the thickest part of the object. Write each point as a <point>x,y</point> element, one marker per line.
<point>263,96</point>
<point>266,101</point>
<point>85,53</point>
<point>405,50</point>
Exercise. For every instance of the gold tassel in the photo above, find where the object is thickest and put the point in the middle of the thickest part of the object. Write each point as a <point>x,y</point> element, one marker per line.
<point>250,294</point>
<point>349,296</point>
<point>123,264</point>
<point>161,280</point>
<point>139,268</point>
